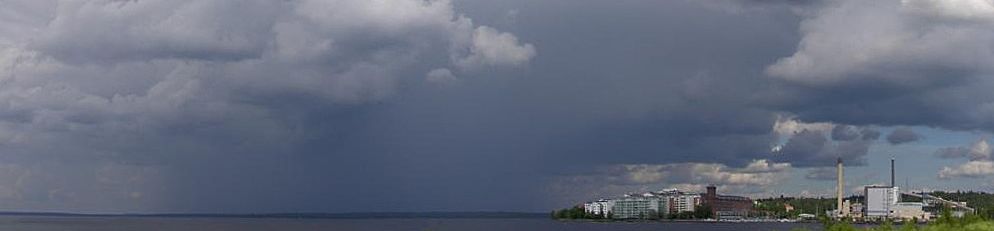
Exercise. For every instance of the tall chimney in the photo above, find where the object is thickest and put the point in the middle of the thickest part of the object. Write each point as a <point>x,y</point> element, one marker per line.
<point>892,173</point>
<point>839,191</point>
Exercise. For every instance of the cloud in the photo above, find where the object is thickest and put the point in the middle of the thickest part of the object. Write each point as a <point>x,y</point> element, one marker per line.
<point>903,135</point>
<point>912,56</point>
<point>979,150</point>
<point>972,169</point>
<point>895,40</point>
<point>844,132</point>
<point>169,89</point>
<point>869,134</point>
<point>441,76</point>
<point>280,99</point>
<point>493,48</point>
<point>980,164</point>
<point>811,148</point>
<point>786,127</point>
<point>756,178</point>
<point>764,166</point>
<point>145,30</point>
<point>822,174</point>
<point>969,10</point>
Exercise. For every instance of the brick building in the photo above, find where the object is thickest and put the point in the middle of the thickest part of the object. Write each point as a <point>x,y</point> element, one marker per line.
<point>727,207</point>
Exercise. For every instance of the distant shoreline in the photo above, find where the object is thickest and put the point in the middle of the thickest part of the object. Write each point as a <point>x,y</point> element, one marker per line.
<point>365,215</point>
<point>684,221</point>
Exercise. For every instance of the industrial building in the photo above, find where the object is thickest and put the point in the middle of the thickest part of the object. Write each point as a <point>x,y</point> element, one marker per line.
<point>880,200</point>
<point>910,211</point>
<point>727,207</point>
<point>883,202</point>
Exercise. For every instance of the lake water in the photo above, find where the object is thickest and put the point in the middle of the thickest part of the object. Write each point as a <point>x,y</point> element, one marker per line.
<point>31,223</point>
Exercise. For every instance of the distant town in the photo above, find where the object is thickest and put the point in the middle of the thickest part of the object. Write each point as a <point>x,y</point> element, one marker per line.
<point>877,203</point>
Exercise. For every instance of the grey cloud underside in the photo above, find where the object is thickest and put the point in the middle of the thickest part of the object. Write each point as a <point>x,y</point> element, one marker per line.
<point>408,105</point>
<point>919,64</point>
<point>298,103</point>
<point>903,135</point>
<point>277,100</point>
<point>980,163</point>
<point>822,174</point>
<point>812,148</point>
<point>844,133</point>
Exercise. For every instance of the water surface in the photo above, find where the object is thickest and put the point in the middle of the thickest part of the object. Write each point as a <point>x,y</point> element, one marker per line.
<point>41,223</point>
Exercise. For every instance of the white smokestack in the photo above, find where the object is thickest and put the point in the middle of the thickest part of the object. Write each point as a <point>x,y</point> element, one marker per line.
<point>839,189</point>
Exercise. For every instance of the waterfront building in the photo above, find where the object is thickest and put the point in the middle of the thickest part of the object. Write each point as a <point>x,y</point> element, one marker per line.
<point>679,202</point>
<point>648,205</point>
<point>683,203</point>
<point>644,206</point>
<point>600,207</point>
<point>727,207</point>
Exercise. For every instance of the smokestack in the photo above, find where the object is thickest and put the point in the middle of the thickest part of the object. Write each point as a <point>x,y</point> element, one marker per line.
<point>892,173</point>
<point>839,188</point>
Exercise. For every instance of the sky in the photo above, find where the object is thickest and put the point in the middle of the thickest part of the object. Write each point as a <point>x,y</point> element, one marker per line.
<point>253,106</point>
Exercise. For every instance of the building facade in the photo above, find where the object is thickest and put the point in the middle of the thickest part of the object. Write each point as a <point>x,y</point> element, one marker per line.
<point>683,203</point>
<point>909,211</point>
<point>727,207</point>
<point>646,205</point>
<point>880,201</point>
<point>600,207</point>
<point>637,207</point>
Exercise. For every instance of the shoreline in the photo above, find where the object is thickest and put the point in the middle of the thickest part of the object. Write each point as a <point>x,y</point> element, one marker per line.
<point>686,221</point>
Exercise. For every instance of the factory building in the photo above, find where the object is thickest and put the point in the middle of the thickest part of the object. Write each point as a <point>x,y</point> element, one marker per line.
<point>727,207</point>
<point>855,209</point>
<point>909,211</point>
<point>884,202</point>
<point>880,200</point>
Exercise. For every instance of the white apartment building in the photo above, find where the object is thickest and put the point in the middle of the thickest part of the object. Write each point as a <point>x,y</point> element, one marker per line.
<point>682,202</point>
<point>645,205</point>
<point>599,207</point>
<point>637,207</point>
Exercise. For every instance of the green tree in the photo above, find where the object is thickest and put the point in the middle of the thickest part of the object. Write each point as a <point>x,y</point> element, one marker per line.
<point>702,212</point>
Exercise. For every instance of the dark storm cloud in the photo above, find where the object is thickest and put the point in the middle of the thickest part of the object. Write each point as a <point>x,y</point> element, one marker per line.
<point>412,105</point>
<point>392,106</point>
<point>191,99</point>
<point>931,76</point>
<point>921,62</point>
<point>869,134</point>
<point>844,133</point>
<point>903,135</point>
<point>811,148</point>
